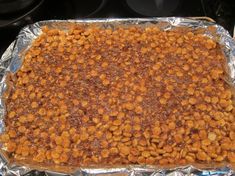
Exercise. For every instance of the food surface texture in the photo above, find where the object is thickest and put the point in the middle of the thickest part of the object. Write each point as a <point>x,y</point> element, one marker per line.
<point>118,96</point>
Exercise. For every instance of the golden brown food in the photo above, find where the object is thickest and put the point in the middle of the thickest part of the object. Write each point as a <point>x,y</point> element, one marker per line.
<point>127,95</point>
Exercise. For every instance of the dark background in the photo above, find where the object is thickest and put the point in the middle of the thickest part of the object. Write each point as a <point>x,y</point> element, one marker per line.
<point>222,11</point>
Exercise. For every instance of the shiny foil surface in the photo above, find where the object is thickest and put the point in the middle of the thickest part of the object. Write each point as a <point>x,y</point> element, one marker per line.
<point>12,59</point>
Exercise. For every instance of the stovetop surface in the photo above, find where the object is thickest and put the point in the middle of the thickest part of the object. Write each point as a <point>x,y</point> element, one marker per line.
<point>221,11</point>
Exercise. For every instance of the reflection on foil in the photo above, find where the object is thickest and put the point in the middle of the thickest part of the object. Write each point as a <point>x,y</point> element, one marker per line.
<point>11,61</point>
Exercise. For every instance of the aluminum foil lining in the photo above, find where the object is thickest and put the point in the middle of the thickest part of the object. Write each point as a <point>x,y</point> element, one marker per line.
<point>11,61</point>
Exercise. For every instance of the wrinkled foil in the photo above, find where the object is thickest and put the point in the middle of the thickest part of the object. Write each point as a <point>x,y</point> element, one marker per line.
<point>11,61</point>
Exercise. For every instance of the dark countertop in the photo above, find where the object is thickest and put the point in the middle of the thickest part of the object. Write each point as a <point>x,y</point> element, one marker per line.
<point>222,11</point>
